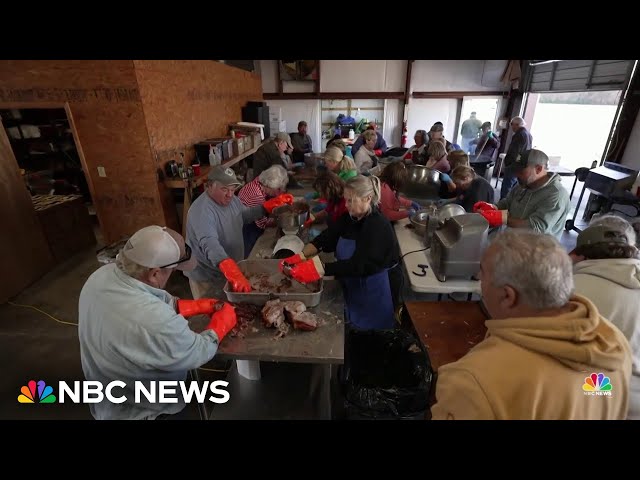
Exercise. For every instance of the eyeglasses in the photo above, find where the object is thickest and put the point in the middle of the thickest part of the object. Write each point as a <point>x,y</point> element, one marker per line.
<point>187,256</point>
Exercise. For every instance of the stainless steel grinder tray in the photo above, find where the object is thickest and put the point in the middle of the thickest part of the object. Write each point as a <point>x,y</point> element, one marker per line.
<point>300,292</point>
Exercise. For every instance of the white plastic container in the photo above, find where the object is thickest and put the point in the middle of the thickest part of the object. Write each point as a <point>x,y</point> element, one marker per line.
<point>352,134</point>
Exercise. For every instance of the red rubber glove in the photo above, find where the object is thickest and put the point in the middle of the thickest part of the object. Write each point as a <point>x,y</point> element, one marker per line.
<point>308,271</point>
<point>495,217</point>
<point>283,199</point>
<point>309,221</point>
<point>378,152</point>
<point>293,260</point>
<point>234,276</point>
<point>481,206</point>
<point>189,308</point>
<point>223,321</point>
<point>408,156</point>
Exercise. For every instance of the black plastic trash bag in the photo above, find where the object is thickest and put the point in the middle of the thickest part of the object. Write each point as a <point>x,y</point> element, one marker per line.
<point>386,373</point>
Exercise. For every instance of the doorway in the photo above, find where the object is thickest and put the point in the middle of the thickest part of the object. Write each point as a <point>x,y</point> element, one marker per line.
<point>483,109</point>
<point>43,144</point>
<point>571,128</point>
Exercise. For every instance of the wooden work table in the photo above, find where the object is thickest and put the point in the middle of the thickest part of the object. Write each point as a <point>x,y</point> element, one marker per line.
<point>448,330</point>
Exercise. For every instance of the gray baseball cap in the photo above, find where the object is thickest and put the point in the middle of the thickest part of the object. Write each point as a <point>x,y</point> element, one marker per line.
<point>224,175</point>
<point>602,234</point>
<point>531,158</point>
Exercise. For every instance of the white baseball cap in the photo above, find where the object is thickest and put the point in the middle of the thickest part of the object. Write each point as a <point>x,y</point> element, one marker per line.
<point>159,247</point>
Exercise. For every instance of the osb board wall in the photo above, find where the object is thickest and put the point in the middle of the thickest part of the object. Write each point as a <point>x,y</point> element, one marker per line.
<point>106,110</point>
<point>24,252</point>
<point>186,101</point>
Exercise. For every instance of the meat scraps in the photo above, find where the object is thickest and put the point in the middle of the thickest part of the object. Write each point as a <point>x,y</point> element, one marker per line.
<point>305,321</point>
<point>246,313</point>
<point>294,312</point>
<point>273,313</point>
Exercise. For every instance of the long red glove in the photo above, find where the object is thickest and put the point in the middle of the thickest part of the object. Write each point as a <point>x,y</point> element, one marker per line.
<point>223,321</point>
<point>495,217</point>
<point>189,308</point>
<point>234,276</point>
<point>280,200</point>
<point>308,271</point>
<point>481,206</point>
<point>309,221</point>
<point>293,260</point>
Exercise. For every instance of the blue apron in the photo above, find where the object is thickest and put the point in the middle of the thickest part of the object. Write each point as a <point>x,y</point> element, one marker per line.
<point>368,302</point>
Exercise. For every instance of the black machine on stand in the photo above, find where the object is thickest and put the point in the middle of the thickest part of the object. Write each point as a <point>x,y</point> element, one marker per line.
<point>610,183</point>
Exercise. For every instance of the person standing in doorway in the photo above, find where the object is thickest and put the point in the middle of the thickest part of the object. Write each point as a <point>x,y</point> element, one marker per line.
<point>469,131</point>
<point>521,141</point>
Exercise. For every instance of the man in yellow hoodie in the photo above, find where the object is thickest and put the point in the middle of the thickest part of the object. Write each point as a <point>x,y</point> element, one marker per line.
<point>547,355</point>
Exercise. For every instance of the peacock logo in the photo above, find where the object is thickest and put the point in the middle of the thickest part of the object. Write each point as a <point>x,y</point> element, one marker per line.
<point>28,393</point>
<point>597,384</point>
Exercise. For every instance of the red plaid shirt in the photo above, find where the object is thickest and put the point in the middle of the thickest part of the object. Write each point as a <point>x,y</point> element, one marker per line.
<point>252,195</point>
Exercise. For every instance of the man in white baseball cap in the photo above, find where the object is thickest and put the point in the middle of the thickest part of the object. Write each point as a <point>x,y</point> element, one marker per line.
<point>131,329</point>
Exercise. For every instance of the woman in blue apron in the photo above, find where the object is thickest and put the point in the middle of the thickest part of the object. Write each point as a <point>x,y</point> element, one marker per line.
<point>367,258</point>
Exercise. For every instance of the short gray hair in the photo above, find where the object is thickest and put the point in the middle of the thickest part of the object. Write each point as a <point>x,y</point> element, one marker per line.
<point>535,265</point>
<point>130,267</point>
<point>275,177</point>
<point>519,121</point>
<point>616,223</point>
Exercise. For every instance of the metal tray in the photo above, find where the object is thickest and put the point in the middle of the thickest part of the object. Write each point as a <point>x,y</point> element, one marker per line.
<point>300,292</point>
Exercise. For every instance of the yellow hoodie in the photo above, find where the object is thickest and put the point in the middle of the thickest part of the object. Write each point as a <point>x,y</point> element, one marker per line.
<point>535,369</point>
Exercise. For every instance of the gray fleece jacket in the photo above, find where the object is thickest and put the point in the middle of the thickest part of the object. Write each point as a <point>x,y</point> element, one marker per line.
<point>546,207</point>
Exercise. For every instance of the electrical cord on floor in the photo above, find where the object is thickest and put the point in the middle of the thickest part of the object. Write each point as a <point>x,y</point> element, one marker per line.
<point>43,312</point>
<point>75,324</point>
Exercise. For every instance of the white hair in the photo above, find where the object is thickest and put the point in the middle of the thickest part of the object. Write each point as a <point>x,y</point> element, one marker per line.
<point>519,121</point>
<point>275,177</point>
<point>535,265</point>
<point>616,223</point>
<point>364,186</point>
<point>130,267</point>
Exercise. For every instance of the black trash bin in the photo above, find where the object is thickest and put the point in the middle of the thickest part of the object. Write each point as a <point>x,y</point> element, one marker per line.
<point>386,375</point>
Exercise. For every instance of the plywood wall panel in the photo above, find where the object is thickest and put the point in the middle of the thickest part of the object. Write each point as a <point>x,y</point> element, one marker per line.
<point>24,252</point>
<point>105,104</point>
<point>186,101</point>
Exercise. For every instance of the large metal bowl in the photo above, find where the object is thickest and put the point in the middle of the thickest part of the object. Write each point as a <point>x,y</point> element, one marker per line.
<point>291,217</point>
<point>423,182</point>
<point>450,210</point>
<point>420,218</point>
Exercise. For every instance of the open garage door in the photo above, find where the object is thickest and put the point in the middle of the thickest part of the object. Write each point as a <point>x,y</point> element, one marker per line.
<point>577,75</point>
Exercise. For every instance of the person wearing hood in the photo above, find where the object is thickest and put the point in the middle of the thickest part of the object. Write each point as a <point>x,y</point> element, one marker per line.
<point>367,258</point>
<point>544,346</point>
<point>538,202</point>
<point>607,271</point>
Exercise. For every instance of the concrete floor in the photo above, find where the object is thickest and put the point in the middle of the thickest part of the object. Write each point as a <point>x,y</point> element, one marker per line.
<point>33,346</point>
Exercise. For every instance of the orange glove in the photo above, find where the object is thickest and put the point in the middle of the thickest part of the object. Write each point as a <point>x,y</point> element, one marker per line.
<point>481,206</point>
<point>308,270</point>
<point>283,199</point>
<point>189,308</point>
<point>234,276</point>
<point>223,321</point>
<point>495,217</point>
<point>293,260</point>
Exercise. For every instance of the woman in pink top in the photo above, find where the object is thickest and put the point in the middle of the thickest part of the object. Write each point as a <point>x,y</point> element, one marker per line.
<point>392,205</point>
<point>438,157</point>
